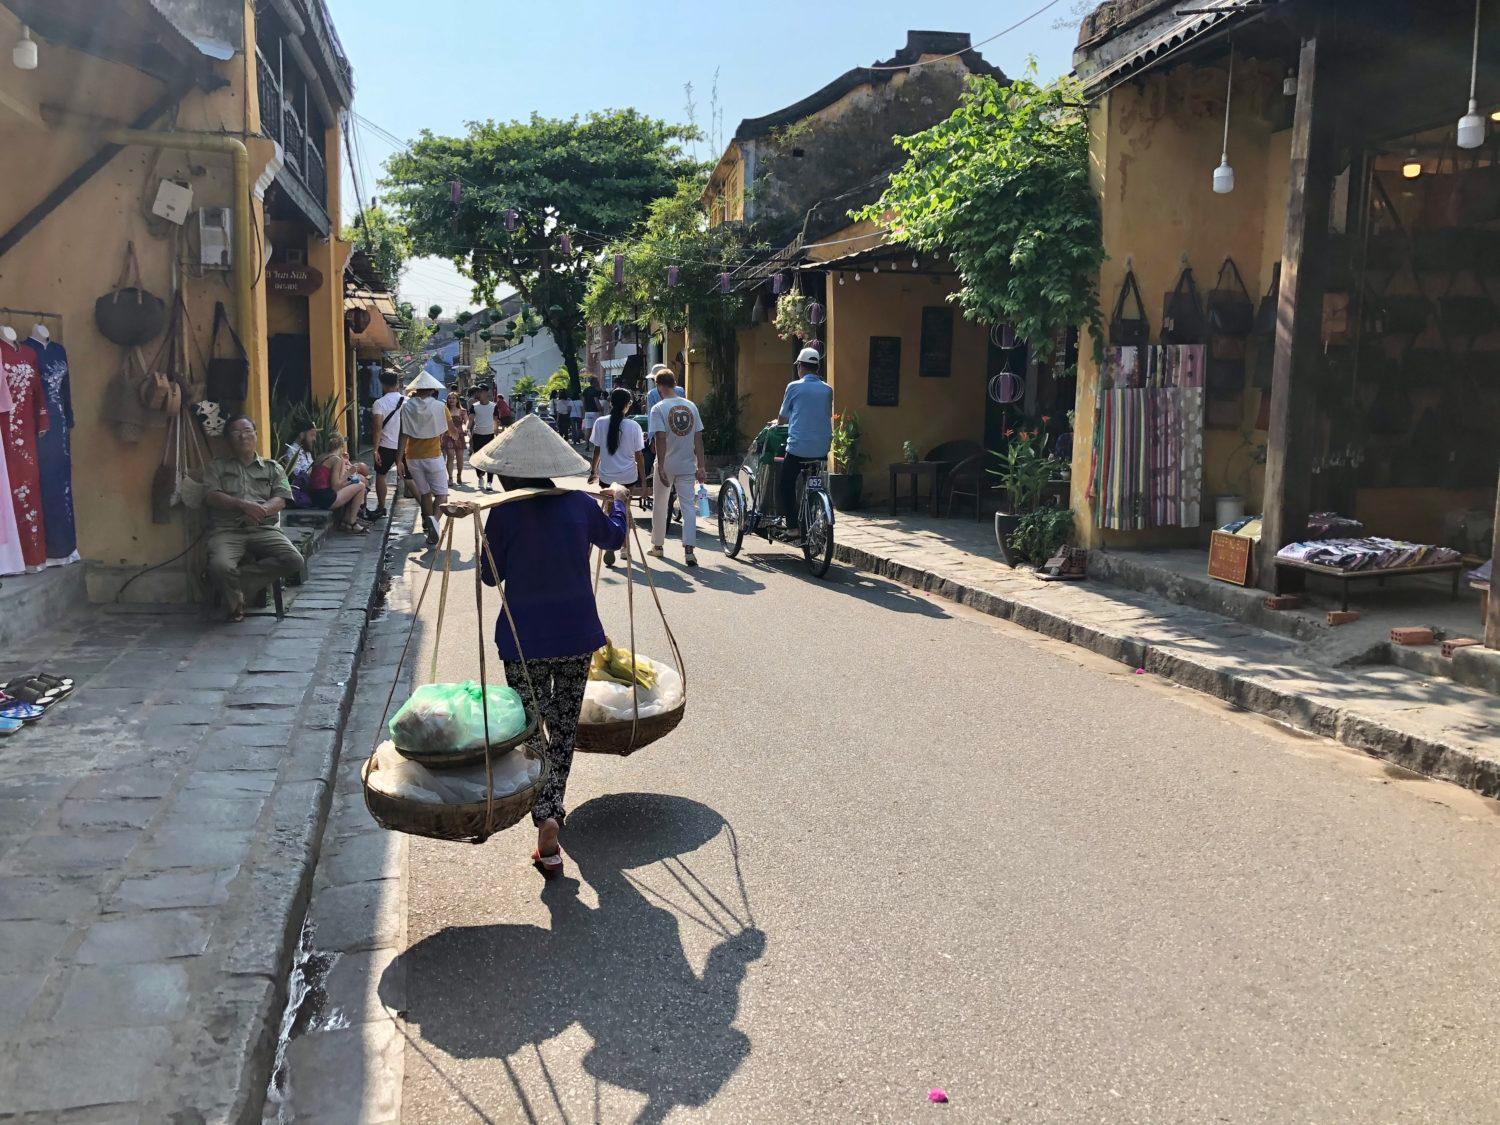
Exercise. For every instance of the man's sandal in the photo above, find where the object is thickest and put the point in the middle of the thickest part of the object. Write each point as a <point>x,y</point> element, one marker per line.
<point>29,690</point>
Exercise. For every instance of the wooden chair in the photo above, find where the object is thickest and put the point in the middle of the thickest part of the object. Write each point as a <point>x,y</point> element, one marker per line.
<point>969,479</point>
<point>950,455</point>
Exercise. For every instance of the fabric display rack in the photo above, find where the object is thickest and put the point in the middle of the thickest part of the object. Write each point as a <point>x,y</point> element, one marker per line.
<point>37,526</point>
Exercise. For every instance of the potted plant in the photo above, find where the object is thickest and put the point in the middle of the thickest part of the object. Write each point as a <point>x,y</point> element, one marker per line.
<point>846,482</point>
<point>1024,469</point>
<point>792,320</point>
<point>909,451</point>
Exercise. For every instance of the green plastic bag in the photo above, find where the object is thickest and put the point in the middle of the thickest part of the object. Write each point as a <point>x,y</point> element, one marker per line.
<point>447,718</point>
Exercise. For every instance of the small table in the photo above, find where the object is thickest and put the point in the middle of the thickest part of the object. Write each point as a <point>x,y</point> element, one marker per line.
<point>1286,569</point>
<point>916,470</point>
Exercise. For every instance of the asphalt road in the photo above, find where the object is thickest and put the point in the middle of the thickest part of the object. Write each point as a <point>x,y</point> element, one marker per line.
<point>897,846</point>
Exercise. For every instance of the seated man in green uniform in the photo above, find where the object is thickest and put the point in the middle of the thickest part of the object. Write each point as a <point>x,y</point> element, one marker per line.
<point>245,491</point>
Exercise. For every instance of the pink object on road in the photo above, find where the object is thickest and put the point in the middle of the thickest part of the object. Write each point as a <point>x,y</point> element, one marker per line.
<point>937,1095</point>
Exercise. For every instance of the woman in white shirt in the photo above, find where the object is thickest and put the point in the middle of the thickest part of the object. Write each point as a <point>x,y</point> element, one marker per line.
<point>618,447</point>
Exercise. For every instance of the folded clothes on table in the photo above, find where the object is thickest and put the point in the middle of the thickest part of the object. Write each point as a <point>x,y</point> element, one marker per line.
<point>1370,553</point>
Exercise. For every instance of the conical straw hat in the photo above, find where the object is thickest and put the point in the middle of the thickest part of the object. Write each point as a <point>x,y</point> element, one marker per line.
<point>529,448</point>
<point>425,382</point>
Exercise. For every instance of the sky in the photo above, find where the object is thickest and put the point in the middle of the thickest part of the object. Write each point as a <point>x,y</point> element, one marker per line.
<point>441,63</point>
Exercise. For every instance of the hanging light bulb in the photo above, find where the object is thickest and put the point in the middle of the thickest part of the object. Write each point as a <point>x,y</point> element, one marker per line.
<point>1289,84</point>
<point>1471,124</point>
<point>1411,168</point>
<point>841,279</point>
<point>877,268</point>
<point>1224,174</point>
<point>856,275</point>
<point>24,56</point>
<point>916,265</point>
<point>1495,116</point>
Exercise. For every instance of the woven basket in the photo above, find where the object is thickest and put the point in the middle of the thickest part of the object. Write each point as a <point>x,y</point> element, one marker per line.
<point>628,735</point>
<point>454,761</point>
<point>463,823</point>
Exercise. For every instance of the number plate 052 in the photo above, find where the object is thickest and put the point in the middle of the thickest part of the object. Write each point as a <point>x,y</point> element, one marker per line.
<point>814,482</point>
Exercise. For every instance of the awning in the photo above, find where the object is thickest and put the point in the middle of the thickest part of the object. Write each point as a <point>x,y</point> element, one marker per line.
<point>1135,48</point>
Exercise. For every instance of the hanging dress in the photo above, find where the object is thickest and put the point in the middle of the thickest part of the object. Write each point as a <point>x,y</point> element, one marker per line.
<point>26,422</point>
<point>55,453</point>
<point>11,560</point>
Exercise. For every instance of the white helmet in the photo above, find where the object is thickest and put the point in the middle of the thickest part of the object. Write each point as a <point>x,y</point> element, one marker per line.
<point>809,356</point>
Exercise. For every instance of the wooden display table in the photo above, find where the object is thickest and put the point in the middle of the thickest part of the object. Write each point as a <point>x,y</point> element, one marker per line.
<point>1291,575</point>
<point>916,470</point>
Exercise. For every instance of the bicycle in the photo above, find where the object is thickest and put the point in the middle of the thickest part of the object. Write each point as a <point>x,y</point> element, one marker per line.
<point>747,497</point>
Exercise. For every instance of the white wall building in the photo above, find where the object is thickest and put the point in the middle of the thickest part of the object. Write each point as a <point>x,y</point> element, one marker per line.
<point>537,357</point>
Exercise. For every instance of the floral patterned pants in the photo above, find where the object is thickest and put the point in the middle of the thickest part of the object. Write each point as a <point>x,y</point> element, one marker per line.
<point>559,683</point>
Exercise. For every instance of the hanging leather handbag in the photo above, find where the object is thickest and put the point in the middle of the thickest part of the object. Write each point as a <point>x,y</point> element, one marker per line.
<point>1230,310</point>
<point>1182,319</point>
<point>229,375</point>
<point>1265,315</point>
<point>1129,331</point>
<point>129,315</point>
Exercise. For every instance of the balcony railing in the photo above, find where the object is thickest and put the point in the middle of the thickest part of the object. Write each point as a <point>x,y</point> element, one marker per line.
<point>287,120</point>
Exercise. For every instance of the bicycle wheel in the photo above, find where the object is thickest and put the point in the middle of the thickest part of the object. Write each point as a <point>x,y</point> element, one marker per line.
<point>817,533</point>
<point>731,517</point>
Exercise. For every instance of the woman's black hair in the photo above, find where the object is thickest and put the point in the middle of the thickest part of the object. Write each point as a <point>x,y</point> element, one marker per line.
<point>510,484</point>
<point>619,402</point>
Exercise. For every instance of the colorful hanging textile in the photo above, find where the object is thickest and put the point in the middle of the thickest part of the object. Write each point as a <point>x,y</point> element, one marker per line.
<point>1148,439</point>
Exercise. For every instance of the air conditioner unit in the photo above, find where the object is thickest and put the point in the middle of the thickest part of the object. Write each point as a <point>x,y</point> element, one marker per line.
<point>213,237</point>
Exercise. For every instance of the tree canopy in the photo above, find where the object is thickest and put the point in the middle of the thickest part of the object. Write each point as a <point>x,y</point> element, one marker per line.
<point>522,187</point>
<point>1002,188</point>
<point>384,239</point>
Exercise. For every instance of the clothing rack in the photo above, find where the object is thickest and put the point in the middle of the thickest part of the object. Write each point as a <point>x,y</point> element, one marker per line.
<point>31,312</point>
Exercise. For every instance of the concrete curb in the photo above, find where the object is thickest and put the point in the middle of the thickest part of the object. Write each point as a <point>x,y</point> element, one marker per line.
<point>223,1076</point>
<point>1259,693</point>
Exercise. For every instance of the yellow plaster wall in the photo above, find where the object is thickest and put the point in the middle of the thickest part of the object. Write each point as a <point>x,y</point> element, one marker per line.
<point>931,411</point>
<point>326,306</point>
<point>75,254</point>
<point>765,368</point>
<point>1153,149</point>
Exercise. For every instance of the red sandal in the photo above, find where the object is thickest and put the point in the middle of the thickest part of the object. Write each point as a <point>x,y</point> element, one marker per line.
<point>550,866</point>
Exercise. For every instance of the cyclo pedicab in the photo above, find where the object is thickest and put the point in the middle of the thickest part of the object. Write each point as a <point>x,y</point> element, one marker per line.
<point>747,502</point>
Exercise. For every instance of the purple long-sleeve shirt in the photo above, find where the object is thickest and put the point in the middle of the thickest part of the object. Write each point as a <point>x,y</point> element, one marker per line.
<point>541,549</point>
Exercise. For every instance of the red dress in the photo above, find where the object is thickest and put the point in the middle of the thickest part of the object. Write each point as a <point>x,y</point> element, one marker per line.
<point>27,419</point>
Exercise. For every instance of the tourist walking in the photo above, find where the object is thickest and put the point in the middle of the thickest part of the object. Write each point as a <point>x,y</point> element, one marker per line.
<point>424,421</point>
<point>618,447</point>
<point>386,411</point>
<point>540,545</point>
<point>593,405</point>
<point>456,440</point>
<point>677,434</point>
<point>483,424</point>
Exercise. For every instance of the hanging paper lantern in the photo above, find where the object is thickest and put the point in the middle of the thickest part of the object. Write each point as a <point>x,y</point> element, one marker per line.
<point>776,284</point>
<point>1007,336</point>
<point>724,283</point>
<point>454,190</point>
<point>815,313</point>
<point>1006,388</point>
<point>565,243</point>
<point>619,271</point>
<point>671,275</point>
<point>510,218</point>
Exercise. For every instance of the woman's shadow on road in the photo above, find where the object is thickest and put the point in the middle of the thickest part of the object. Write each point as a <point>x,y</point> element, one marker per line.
<point>618,970</point>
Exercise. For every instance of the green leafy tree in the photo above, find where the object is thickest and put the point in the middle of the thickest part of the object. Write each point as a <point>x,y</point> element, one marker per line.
<point>414,330</point>
<point>560,381</point>
<point>383,239</point>
<point>1002,188</point>
<point>590,178</point>
<point>525,386</point>
<point>676,234</point>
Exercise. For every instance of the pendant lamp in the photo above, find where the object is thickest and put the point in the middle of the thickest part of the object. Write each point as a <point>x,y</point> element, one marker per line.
<point>24,56</point>
<point>1224,174</point>
<point>1471,124</point>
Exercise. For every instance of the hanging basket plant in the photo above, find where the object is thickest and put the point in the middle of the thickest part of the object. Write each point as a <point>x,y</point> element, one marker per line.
<point>464,317</point>
<point>792,319</point>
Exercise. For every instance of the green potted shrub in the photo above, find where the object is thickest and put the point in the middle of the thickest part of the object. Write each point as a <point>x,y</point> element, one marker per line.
<point>1023,471</point>
<point>846,482</point>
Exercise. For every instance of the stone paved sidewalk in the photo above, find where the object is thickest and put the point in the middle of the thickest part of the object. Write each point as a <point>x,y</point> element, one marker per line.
<point>157,836</point>
<point>1436,727</point>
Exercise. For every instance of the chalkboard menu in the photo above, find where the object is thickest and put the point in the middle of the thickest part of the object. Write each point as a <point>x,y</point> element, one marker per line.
<point>885,371</point>
<point>936,360</point>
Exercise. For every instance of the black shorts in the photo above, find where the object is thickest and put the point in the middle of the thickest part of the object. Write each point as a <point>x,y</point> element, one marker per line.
<point>479,441</point>
<point>385,459</point>
<point>322,497</point>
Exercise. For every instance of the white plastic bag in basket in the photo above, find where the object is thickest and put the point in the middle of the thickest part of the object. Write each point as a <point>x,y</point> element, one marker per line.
<point>605,701</point>
<point>397,776</point>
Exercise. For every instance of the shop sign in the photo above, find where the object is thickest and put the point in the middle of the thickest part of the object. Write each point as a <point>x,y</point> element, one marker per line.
<point>298,280</point>
<point>1229,557</point>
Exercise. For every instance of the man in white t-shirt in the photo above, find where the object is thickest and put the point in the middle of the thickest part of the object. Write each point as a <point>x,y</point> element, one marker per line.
<point>483,423</point>
<point>677,434</point>
<point>386,411</point>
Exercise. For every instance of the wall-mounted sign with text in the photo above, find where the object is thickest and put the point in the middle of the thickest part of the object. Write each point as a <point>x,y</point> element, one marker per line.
<point>294,280</point>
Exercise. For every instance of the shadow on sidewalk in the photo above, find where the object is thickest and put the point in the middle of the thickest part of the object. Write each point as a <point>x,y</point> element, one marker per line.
<point>618,970</point>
